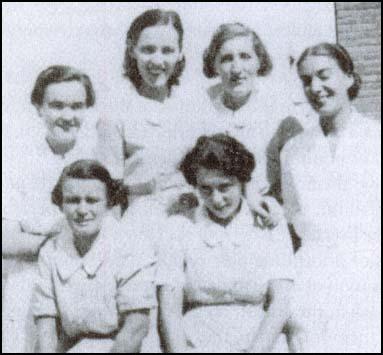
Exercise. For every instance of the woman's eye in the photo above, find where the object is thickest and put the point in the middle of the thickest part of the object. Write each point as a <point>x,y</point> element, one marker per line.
<point>323,77</point>
<point>224,188</point>
<point>148,49</point>
<point>77,106</point>
<point>244,55</point>
<point>168,50</point>
<point>57,105</point>
<point>71,200</point>
<point>306,80</point>
<point>205,190</point>
<point>92,200</point>
<point>226,58</point>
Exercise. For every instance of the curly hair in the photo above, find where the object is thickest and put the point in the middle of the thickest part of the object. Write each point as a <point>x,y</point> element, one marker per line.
<point>148,19</point>
<point>59,74</point>
<point>90,169</point>
<point>229,31</point>
<point>219,152</point>
<point>341,56</point>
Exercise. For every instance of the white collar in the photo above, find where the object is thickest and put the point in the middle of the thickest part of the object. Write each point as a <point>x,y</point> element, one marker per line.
<point>236,233</point>
<point>102,248</point>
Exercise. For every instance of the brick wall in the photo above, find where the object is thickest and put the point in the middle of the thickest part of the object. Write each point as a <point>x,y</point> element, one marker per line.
<point>359,31</point>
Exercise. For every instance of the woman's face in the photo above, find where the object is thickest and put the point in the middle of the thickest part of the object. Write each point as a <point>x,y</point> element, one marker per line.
<point>63,108</point>
<point>221,194</point>
<point>157,53</point>
<point>84,205</point>
<point>325,84</point>
<point>237,65</point>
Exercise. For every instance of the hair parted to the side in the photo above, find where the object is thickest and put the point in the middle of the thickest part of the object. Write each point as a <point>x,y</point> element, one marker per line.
<point>148,19</point>
<point>341,56</point>
<point>90,169</point>
<point>219,152</point>
<point>58,74</point>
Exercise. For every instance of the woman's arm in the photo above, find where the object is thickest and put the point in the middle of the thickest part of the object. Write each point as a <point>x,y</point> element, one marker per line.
<point>15,242</point>
<point>134,329</point>
<point>47,334</point>
<point>170,319</point>
<point>275,318</point>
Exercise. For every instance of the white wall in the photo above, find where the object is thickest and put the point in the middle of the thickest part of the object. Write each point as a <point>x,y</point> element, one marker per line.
<point>91,36</point>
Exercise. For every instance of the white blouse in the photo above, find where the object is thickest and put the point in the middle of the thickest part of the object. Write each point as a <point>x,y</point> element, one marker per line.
<point>31,170</point>
<point>145,139</point>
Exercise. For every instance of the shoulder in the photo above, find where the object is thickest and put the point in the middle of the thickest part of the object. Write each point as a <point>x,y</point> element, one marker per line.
<point>125,240</point>
<point>48,251</point>
<point>300,144</point>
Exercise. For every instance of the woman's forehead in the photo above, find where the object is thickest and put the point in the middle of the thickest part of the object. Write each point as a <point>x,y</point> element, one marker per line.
<point>159,34</point>
<point>66,91</point>
<point>315,63</point>
<point>77,185</point>
<point>214,177</point>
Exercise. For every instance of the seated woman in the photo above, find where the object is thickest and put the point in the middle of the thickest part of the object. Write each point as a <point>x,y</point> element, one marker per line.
<point>224,282</point>
<point>96,282</point>
<point>60,133</point>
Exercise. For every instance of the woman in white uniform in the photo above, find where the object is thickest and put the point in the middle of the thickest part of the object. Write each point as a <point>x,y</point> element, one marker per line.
<point>245,105</point>
<point>225,283</point>
<point>63,132</point>
<point>331,190</point>
<point>140,144</point>
<point>96,277</point>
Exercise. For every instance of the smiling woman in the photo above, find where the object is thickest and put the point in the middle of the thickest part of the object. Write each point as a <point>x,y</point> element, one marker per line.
<point>96,278</point>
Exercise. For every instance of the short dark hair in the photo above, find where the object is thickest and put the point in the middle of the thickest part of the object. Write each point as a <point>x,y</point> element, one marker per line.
<point>341,56</point>
<point>229,31</point>
<point>88,169</point>
<point>221,152</point>
<point>58,74</point>
<point>148,19</point>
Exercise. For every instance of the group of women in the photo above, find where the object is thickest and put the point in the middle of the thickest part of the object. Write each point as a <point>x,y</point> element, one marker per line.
<point>166,211</point>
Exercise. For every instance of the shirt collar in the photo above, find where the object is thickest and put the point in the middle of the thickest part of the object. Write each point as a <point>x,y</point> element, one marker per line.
<point>236,233</point>
<point>68,264</point>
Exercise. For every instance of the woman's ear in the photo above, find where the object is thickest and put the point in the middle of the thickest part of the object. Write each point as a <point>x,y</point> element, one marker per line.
<point>351,80</point>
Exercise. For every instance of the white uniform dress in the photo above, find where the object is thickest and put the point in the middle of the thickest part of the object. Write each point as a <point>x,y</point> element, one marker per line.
<point>225,274</point>
<point>334,203</point>
<point>30,173</point>
<point>89,294</point>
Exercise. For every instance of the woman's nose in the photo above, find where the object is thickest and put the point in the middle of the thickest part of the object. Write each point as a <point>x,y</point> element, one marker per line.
<point>316,85</point>
<point>157,58</point>
<point>217,198</point>
<point>82,209</point>
<point>235,66</point>
<point>67,113</point>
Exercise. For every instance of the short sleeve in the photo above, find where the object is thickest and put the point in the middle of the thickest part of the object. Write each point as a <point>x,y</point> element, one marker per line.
<point>289,192</point>
<point>44,300</point>
<point>171,258</point>
<point>136,279</point>
<point>281,264</point>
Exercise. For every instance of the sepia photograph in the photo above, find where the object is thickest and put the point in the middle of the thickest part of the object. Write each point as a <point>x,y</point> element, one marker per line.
<point>191,177</point>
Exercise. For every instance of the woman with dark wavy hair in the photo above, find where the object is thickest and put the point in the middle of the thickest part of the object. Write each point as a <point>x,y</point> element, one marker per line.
<point>216,273</point>
<point>331,182</point>
<point>134,144</point>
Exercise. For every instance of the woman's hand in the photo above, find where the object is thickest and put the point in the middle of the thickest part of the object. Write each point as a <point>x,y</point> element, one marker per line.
<point>296,336</point>
<point>268,212</point>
